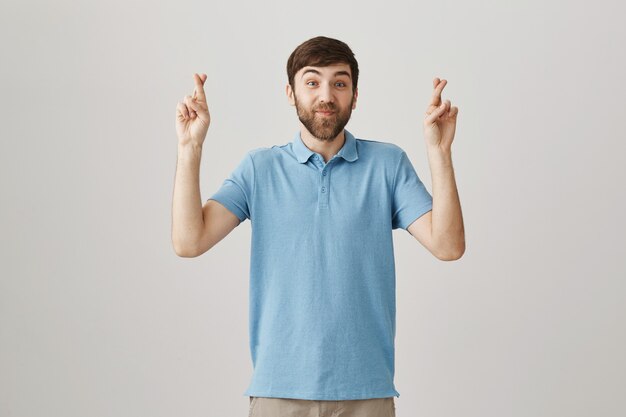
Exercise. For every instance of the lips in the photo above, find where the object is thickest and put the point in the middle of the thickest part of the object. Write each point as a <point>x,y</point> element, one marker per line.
<point>325,113</point>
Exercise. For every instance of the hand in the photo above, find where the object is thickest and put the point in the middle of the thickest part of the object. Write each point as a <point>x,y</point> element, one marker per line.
<point>440,120</point>
<point>192,115</point>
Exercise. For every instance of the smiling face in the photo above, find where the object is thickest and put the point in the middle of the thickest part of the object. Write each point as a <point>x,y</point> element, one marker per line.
<point>324,99</point>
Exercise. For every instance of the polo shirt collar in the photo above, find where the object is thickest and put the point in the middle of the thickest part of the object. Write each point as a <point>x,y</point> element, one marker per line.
<point>348,150</point>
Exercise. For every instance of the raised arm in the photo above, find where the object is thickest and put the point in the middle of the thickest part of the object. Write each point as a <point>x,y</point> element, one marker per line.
<point>442,230</point>
<point>195,229</point>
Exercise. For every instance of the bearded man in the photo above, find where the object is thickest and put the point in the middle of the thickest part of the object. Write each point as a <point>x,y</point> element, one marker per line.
<point>322,209</point>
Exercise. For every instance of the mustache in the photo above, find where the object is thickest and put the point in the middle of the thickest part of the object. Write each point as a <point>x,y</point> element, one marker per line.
<point>324,108</point>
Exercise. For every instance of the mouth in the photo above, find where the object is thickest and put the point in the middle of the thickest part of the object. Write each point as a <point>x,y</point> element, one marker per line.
<point>326,113</point>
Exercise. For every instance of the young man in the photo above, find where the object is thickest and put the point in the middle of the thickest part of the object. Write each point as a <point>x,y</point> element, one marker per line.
<point>322,209</point>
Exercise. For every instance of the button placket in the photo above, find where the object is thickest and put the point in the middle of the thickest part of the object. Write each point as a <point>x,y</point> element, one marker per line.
<point>324,190</point>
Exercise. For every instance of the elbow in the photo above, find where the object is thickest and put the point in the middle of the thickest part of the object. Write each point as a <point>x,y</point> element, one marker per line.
<point>185,254</point>
<point>453,257</point>
<point>451,254</point>
<point>184,251</point>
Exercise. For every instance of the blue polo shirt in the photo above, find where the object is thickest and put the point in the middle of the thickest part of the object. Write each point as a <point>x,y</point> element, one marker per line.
<point>322,276</point>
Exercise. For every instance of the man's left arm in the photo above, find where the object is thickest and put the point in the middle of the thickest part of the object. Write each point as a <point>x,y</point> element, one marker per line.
<point>441,230</point>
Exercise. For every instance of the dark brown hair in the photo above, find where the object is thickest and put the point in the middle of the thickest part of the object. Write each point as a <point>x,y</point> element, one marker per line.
<point>320,52</point>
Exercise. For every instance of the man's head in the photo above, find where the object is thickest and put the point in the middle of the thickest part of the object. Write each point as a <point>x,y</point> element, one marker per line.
<point>323,75</point>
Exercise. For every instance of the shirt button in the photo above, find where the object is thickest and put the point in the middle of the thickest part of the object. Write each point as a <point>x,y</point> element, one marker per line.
<point>324,172</point>
<point>323,189</point>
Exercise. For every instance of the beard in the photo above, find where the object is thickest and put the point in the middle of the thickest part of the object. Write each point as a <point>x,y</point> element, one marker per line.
<point>324,128</point>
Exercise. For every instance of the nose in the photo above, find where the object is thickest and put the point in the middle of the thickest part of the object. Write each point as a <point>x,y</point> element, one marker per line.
<point>325,93</point>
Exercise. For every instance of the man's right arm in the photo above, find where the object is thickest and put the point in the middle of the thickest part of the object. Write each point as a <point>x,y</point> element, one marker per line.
<point>196,229</point>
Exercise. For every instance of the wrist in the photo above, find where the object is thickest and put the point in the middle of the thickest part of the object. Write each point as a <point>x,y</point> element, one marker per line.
<point>189,146</point>
<point>189,150</point>
<point>438,152</point>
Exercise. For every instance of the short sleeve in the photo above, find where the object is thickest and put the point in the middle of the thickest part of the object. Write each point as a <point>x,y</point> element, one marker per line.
<point>410,199</point>
<point>235,193</point>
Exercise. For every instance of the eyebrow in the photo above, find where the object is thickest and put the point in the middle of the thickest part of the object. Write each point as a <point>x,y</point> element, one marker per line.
<point>319,73</point>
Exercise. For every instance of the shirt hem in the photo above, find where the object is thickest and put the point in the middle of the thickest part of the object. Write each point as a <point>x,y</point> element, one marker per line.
<point>231,207</point>
<point>324,396</point>
<point>421,211</point>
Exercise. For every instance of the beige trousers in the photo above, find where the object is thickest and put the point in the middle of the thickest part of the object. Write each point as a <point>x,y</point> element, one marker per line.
<point>288,407</point>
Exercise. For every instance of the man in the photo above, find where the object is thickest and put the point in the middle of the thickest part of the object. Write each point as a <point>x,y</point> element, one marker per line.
<point>322,209</point>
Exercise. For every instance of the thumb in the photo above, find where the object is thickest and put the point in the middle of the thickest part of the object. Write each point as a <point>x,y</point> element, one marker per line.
<point>435,113</point>
<point>195,105</point>
<point>200,110</point>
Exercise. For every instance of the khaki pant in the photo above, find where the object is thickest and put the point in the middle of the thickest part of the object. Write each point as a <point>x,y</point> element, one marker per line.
<point>288,407</point>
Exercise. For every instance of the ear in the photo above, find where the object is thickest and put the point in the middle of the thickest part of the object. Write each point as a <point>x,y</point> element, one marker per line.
<point>289,92</point>
<point>356,94</point>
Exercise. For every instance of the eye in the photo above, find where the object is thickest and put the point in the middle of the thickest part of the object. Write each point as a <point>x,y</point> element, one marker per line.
<point>309,82</point>
<point>342,83</point>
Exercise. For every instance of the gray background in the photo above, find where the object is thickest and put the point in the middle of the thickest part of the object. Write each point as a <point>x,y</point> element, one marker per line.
<point>99,317</point>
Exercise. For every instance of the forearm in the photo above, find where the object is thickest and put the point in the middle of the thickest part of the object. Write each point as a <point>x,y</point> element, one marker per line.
<point>448,233</point>
<point>187,217</point>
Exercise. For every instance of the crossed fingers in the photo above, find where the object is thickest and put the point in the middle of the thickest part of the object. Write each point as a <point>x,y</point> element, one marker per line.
<point>438,85</point>
<point>198,92</point>
<point>444,109</point>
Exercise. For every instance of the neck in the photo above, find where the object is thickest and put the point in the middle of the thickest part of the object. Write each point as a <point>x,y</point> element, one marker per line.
<point>326,148</point>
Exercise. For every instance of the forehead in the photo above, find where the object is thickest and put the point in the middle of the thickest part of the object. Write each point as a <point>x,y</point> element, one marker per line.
<point>334,70</point>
